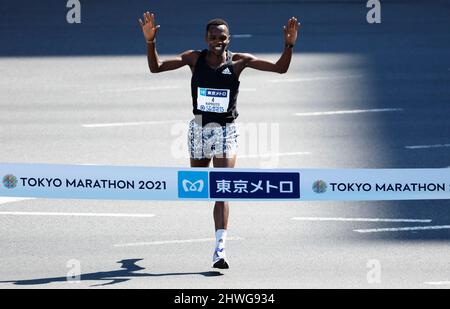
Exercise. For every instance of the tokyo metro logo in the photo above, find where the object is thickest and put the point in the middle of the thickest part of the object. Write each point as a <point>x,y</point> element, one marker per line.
<point>192,184</point>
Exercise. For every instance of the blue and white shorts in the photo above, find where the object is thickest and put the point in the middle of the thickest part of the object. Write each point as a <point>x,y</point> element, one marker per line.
<point>212,140</point>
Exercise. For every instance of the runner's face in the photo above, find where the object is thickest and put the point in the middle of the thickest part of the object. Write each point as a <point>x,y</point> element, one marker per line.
<point>217,39</point>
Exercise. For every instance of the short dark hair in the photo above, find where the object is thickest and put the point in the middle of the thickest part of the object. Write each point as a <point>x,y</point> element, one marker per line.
<point>216,22</point>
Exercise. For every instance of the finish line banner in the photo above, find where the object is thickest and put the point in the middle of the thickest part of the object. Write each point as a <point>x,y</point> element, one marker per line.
<point>163,183</point>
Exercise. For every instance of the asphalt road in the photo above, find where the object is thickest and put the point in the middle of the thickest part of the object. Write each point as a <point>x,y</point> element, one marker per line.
<point>82,94</point>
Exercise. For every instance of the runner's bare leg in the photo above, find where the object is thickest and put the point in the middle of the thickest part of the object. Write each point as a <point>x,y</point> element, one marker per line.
<point>222,209</point>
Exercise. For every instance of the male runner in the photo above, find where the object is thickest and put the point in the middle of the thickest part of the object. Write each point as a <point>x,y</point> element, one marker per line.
<point>214,87</point>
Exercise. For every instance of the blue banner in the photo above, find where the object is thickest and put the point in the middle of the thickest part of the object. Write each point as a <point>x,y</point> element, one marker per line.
<point>254,185</point>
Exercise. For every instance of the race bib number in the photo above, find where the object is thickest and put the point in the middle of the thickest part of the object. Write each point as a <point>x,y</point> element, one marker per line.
<point>213,100</point>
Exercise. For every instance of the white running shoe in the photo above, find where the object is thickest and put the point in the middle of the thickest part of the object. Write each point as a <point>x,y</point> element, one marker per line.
<point>220,259</point>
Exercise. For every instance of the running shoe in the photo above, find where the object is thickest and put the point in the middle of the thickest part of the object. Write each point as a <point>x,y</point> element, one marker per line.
<point>219,259</point>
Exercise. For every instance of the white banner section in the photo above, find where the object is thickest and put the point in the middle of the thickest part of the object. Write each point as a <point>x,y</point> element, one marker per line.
<point>164,183</point>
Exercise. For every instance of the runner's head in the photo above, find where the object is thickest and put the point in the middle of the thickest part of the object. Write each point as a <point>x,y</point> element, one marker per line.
<point>217,35</point>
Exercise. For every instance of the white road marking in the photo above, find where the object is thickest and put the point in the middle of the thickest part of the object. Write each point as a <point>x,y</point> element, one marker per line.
<point>356,111</point>
<point>4,200</point>
<point>131,89</point>
<point>404,229</point>
<point>360,219</point>
<point>438,283</point>
<point>74,214</point>
<point>126,124</point>
<point>241,36</point>
<point>427,146</point>
<point>168,242</point>
<point>313,79</point>
<point>280,154</point>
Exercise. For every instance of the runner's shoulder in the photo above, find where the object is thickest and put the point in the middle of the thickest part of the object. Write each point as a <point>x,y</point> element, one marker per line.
<point>190,56</point>
<point>243,56</point>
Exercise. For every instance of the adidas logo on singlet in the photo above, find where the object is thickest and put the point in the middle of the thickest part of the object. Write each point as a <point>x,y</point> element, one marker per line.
<point>226,71</point>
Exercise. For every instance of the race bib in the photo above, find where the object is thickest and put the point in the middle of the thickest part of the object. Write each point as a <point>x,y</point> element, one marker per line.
<point>213,100</point>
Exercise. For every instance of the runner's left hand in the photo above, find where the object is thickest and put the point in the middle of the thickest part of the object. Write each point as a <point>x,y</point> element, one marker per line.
<point>290,31</point>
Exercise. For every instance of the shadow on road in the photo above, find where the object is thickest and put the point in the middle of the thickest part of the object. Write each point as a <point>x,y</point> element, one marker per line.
<point>127,271</point>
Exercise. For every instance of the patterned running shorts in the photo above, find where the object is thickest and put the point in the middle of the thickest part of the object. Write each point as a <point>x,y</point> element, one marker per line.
<point>212,140</point>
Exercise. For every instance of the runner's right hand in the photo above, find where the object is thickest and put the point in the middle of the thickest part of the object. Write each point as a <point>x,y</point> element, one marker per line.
<point>149,28</point>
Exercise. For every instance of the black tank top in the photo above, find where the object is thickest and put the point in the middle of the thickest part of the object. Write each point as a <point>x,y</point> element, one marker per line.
<point>214,91</point>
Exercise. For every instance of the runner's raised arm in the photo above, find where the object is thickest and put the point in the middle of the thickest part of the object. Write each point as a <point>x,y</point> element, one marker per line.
<point>282,65</point>
<point>149,29</point>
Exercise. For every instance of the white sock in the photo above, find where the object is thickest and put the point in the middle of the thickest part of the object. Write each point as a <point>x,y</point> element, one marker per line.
<point>221,237</point>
